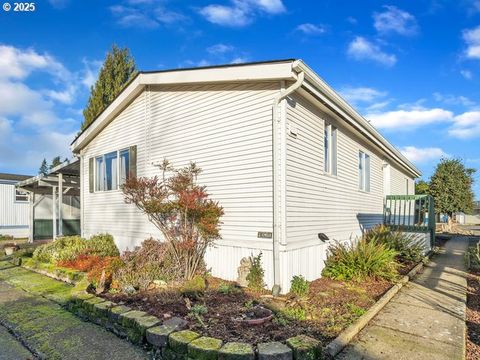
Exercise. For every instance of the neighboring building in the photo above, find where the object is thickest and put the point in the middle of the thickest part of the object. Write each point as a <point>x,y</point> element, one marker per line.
<point>293,165</point>
<point>54,206</point>
<point>13,206</point>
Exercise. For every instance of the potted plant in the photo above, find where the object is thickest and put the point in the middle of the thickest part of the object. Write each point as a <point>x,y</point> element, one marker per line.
<point>10,248</point>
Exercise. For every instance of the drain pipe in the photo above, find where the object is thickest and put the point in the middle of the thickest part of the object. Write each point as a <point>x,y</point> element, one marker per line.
<point>279,173</point>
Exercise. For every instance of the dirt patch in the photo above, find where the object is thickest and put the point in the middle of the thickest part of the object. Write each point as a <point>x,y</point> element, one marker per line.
<point>473,316</point>
<point>329,307</point>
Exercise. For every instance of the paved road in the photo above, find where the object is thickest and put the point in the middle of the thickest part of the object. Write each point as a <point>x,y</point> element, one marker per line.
<point>47,327</point>
<point>10,348</point>
<point>425,320</point>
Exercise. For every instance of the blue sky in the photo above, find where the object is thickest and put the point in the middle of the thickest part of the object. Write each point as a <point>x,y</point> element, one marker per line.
<point>412,67</point>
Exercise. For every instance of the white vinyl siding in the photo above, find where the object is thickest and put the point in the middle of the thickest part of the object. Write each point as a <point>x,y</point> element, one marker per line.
<point>13,213</point>
<point>316,202</point>
<point>227,131</point>
<point>399,181</point>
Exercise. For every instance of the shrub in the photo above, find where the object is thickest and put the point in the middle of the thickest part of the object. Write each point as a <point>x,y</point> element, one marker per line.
<point>256,273</point>
<point>63,249</point>
<point>295,313</point>
<point>6,237</point>
<point>102,245</point>
<point>148,262</point>
<point>360,261</point>
<point>228,289</point>
<point>407,247</point>
<point>107,266</point>
<point>299,286</point>
<point>68,248</point>
<point>181,210</point>
<point>194,287</point>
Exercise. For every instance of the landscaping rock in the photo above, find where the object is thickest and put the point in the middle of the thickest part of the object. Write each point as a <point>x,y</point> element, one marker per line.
<point>179,341</point>
<point>204,348</point>
<point>158,335</point>
<point>236,351</point>
<point>274,351</point>
<point>305,348</point>
<point>100,312</point>
<point>115,312</point>
<point>177,322</point>
<point>90,303</point>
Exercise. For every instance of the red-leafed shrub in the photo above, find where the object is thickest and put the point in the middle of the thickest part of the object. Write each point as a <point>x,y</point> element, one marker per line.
<point>82,262</point>
<point>106,267</point>
<point>181,210</point>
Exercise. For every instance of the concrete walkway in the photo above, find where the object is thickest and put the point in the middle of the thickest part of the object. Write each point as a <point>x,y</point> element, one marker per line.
<point>426,319</point>
<point>29,306</point>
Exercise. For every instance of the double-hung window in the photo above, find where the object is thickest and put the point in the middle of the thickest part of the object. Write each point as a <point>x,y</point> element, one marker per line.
<point>330,149</point>
<point>21,196</point>
<point>363,171</point>
<point>112,170</point>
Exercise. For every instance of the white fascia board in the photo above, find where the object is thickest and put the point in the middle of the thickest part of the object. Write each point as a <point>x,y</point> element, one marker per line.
<point>334,100</point>
<point>254,72</point>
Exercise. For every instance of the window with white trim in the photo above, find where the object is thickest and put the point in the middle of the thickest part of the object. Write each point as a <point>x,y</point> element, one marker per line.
<point>112,170</point>
<point>21,196</point>
<point>330,149</point>
<point>363,171</point>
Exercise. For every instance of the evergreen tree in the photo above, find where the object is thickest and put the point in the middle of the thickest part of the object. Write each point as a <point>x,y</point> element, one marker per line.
<point>43,170</point>
<point>421,187</point>
<point>117,70</point>
<point>55,162</point>
<point>451,187</point>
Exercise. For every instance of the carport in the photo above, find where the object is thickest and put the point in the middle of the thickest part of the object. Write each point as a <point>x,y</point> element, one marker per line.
<point>62,181</point>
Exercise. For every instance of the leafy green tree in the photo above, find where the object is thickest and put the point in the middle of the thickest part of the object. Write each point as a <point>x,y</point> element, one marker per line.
<point>422,187</point>
<point>55,162</point>
<point>43,170</point>
<point>451,187</point>
<point>117,70</point>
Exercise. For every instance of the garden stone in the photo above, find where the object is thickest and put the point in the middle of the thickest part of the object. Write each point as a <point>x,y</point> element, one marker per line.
<point>115,312</point>
<point>236,351</point>
<point>274,351</point>
<point>204,348</point>
<point>305,348</point>
<point>90,303</point>
<point>176,322</point>
<point>100,312</point>
<point>179,341</point>
<point>158,335</point>
<point>129,290</point>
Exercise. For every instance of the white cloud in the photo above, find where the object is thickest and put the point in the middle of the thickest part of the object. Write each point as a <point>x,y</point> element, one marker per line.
<point>90,72</point>
<point>311,29</point>
<point>467,74</point>
<point>453,99</point>
<point>472,39</point>
<point>422,155</point>
<point>362,49</point>
<point>466,125</point>
<point>143,14</point>
<point>361,94</point>
<point>240,12</point>
<point>395,20</point>
<point>409,119</point>
<point>220,49</point>
<point>239,60</point>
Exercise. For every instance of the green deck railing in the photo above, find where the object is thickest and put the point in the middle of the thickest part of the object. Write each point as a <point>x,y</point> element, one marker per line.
<point>414,213</point>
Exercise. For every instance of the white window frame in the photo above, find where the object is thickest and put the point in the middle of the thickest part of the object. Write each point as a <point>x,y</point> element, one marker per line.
<point>364,171</point>
<point>330,158</point>
<point>95,178</point>
<point>22,194</point>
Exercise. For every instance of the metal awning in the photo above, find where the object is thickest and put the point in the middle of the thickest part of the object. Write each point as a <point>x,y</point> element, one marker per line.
<point>63,179</point>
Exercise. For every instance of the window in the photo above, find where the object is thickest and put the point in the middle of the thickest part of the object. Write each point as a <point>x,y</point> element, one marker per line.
<point>112,170</point>
<point>21,196</point>
<point>363,171</point>
<point>330,149</point>
<point>406,186</point>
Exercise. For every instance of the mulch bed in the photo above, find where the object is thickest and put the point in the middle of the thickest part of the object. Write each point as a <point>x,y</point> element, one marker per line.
<point>330,307</point>
<point>473,316</point>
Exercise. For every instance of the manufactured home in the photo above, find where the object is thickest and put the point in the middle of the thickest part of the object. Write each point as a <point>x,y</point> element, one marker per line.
<point>13,206</point>
<point>294,166</point>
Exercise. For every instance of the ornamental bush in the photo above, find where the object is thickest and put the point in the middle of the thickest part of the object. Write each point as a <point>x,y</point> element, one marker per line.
<point>299,286</point>
<point>360,260</point>
<point>408,248</point>
<point>68,248</point>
